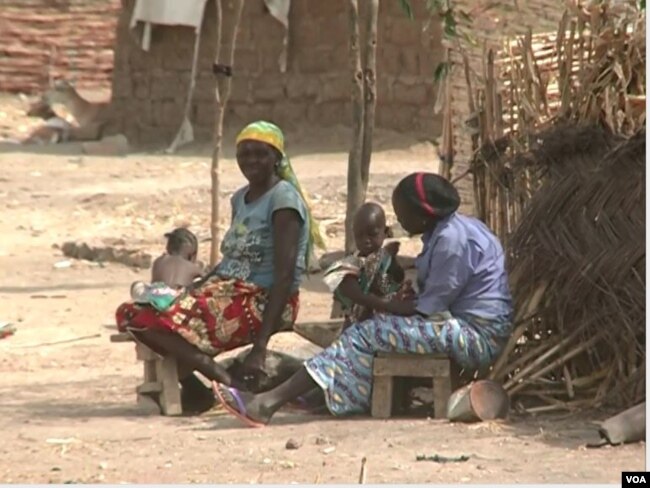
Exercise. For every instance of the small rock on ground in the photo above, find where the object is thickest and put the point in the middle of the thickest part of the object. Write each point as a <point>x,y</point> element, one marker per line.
<point>293,444</point>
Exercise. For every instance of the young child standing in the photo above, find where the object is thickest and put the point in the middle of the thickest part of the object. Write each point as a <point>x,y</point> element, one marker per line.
<point>364,281</point>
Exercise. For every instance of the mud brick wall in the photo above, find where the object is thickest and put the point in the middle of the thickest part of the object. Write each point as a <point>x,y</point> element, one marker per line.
<point>41,39</point>
<point>149,88</point>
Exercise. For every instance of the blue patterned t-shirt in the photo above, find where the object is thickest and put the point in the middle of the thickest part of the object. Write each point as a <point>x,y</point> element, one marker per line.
<point>247,247</point>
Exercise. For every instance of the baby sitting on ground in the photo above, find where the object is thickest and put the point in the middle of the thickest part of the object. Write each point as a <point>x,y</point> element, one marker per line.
<point>171,272</point>
<point>364,281</point>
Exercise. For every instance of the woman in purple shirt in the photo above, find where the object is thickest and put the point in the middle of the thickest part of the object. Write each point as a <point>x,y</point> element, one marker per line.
<point>463,309</point>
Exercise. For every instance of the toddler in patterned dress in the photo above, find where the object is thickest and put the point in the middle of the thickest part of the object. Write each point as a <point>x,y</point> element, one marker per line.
<point>362,282</point>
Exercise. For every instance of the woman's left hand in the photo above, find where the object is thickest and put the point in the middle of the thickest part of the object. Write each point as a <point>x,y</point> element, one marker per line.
<point>406,291</point>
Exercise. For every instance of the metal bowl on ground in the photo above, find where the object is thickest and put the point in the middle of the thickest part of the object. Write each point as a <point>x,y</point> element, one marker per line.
<point>478,401</point>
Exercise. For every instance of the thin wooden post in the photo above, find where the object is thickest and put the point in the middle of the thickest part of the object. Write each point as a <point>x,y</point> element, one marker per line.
<point>355,185</point>
<point>222,95</point>
<point>447,146</point>
<point>364,100</point>
<point>369,91</point>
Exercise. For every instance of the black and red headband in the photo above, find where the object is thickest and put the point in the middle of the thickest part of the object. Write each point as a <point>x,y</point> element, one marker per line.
<point>431,194</point>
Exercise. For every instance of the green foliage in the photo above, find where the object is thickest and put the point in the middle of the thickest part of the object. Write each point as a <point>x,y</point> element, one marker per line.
<point>406,7</point>
<point>448,16</point>
<point>442,70</point>
<point>449,24</point>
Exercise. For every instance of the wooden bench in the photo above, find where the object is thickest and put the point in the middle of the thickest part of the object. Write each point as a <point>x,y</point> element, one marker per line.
<point>160,377</point>
<point>388,367</point>
<point>161,382</point>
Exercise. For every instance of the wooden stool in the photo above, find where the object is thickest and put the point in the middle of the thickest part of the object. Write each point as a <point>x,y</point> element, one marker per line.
<point>160,377</point>
<point>388,366</point>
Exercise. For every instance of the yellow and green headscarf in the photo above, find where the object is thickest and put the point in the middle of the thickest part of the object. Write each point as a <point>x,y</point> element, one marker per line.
<point>272,135</point>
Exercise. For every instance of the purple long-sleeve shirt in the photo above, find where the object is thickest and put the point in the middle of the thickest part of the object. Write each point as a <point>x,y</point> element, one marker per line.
<point>461,270</point>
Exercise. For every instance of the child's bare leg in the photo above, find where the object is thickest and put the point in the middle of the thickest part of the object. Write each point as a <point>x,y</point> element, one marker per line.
<point>189,357</point>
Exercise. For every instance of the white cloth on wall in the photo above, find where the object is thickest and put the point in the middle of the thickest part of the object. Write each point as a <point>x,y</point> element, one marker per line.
<point>279,9</point>
<point>166,12</point>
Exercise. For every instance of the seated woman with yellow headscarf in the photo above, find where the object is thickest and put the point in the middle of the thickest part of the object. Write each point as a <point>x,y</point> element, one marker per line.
<point>253,291</point>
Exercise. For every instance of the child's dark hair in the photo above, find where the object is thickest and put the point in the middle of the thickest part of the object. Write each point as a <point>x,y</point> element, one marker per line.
<point>180,238</point>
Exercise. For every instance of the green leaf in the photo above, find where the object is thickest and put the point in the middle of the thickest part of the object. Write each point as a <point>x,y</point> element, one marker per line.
<point>441,71</point>
<point>450,31</point>
<point>406,7</point>
<point>449,18</point>
<point>449,23</point>
<point>642,4</point>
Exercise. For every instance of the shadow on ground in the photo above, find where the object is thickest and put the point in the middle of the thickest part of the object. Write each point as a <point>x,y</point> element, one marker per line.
<point>64,287</point>
<point>114,398</point>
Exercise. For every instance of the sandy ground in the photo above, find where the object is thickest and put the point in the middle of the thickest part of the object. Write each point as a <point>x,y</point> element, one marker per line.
<point>68,411</point>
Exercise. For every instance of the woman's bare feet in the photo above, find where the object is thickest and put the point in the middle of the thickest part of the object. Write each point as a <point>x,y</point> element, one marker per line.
<point>257,410</point>
<point>247,407</point>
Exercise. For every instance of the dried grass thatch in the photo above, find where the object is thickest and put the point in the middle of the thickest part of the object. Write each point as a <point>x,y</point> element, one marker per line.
<point>559,174</point>
<point>592,70</point>
<point>577,260</point>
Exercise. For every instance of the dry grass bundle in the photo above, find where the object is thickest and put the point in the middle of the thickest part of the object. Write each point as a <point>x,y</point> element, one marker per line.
<point>559,176</point>
<point>581,240</point>
<point>592,70</point>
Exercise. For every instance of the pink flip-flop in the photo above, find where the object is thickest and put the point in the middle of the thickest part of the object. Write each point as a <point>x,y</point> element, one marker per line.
<point>240,411</point>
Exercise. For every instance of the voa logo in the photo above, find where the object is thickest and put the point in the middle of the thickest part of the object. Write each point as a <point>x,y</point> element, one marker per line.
<point>635,479</point>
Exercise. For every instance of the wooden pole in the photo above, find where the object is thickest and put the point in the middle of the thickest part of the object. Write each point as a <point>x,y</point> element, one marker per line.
<point>355,185</point>
<point>222,94</point>
<point>369,91</point>
<point>447,146</point>
<point>363,473</point>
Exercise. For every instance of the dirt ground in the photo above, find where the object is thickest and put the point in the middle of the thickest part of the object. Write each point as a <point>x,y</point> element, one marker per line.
<point>68,411</point>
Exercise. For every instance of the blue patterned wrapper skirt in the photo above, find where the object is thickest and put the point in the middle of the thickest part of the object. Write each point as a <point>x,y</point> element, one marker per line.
<point>344,369</point>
